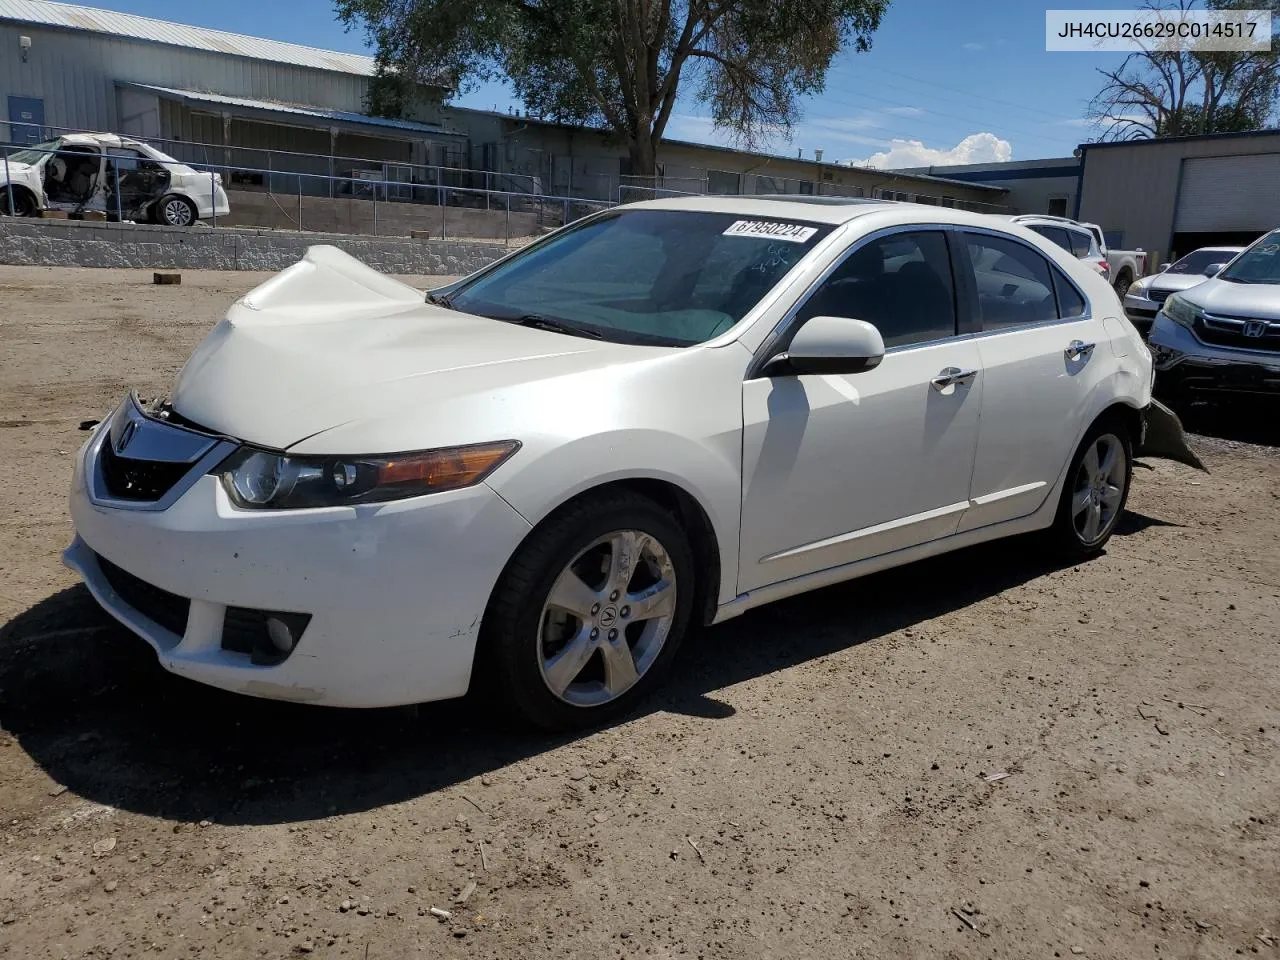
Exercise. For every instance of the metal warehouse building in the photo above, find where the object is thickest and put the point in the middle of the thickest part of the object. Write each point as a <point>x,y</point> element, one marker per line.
<point>1181,193</point>
<point>261,112</point>
<point>73,67</point>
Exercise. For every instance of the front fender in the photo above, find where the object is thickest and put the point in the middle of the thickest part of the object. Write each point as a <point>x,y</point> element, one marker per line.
<point>709,472</point>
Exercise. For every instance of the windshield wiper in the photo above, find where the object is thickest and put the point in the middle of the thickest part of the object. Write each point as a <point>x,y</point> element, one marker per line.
<point>436,300</point>
<point>555,326</point>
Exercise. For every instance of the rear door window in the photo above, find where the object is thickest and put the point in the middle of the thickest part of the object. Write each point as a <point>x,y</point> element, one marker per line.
<point>1080,243</point>
<point>1055,235</point>
<point>1014,283</point>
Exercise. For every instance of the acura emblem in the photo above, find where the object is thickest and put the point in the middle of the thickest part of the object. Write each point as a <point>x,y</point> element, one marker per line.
<point>1255,328</point>
<point>126,436</point>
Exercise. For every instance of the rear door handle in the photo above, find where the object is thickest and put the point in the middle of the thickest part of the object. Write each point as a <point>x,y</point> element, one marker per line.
<point>1078,348</point>
<point>952,376</point>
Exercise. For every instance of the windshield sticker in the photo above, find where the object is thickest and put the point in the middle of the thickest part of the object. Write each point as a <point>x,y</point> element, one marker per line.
<point>764,229</point>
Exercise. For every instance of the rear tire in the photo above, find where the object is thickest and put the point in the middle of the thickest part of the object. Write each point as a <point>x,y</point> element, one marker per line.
<point>1123,283</point>
<point>588,613</point>
<point>1095,492</point>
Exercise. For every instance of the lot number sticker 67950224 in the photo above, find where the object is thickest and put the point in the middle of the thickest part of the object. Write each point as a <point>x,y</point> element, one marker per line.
<point>767,230</point>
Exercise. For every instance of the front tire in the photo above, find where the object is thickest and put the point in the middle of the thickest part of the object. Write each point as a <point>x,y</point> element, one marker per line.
<point>1095,492</point>
<point>24,204</point>
<point>589,612</point>
<point>176,211</point>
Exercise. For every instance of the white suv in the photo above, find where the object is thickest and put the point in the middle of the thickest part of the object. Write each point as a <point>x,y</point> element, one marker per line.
<point>111,174</point>
<point>1076,238</point>
<point>665,414</point>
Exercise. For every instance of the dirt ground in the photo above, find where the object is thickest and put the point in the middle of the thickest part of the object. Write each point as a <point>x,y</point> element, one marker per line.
<point>818,780</point>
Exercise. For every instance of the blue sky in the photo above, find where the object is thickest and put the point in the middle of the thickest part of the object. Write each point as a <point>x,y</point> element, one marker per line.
<point>945,81</point>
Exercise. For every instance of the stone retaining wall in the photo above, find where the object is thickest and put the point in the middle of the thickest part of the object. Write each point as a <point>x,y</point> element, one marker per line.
<point>76,243</point>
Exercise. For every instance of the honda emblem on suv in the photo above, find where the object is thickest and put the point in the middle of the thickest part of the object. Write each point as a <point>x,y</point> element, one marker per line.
<point>1255,328</point>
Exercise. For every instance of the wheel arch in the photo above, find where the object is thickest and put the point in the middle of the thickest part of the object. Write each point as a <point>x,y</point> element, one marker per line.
<point>19,189</point>
<point>689,511</point>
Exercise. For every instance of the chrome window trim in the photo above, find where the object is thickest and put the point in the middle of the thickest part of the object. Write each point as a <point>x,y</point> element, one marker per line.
<point>206,452</point>
<point>768,348</point>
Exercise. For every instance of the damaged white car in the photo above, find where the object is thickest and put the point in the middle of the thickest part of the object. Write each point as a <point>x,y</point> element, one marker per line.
<point>117,176</point>
<point>663,415</point>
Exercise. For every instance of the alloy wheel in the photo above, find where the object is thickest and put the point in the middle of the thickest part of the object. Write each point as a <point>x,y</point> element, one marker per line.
<point>606,618</point>
<point>177,212</point>
<point>1098,491</point>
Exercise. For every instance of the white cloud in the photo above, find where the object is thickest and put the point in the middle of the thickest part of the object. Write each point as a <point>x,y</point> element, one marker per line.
<point>975,148</point>
<point>904,111</point>
<point>973,46</point>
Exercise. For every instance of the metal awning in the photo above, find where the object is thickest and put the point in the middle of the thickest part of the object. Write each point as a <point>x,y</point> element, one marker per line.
<point>292,113</point>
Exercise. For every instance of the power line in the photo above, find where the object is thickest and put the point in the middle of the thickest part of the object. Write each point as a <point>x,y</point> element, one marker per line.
<point>967,93</point>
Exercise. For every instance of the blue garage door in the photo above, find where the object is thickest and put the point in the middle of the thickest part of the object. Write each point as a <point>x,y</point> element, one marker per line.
<point>26,120</point>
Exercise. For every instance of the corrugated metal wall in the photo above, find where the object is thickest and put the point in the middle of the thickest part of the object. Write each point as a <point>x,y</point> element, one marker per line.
<point>75,74</point>
<point>1133,188</point>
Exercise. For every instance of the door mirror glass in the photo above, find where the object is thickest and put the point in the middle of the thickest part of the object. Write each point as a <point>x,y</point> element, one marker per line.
<point>838,345</point>
<point>1213,269</point>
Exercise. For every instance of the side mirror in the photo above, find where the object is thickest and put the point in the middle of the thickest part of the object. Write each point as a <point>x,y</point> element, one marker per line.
<point>1213,269</point>
<point>838,345</point>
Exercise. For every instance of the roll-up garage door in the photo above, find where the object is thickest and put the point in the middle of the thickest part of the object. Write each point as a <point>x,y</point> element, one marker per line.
<point>1228,194</point>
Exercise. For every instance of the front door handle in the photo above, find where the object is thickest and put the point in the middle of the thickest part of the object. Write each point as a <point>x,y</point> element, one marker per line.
<point>952,376</point>
<point>1078,348</point>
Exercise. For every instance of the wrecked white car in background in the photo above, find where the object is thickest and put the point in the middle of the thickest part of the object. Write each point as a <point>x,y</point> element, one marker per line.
<point>111,174</point>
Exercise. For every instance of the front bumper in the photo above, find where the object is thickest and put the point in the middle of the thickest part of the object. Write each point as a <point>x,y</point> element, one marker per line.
<point>395,591</point>
<point>1140,311</point>
<point>1184,364</point>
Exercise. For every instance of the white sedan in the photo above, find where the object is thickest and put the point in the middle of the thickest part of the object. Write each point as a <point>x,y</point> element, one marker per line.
<point>112,174</point>
<point>663,415</point>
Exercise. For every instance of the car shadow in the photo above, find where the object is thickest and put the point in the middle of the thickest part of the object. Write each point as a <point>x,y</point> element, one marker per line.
<point>1131,523</point>
<point>1253,420</point>
<point>90,705</point>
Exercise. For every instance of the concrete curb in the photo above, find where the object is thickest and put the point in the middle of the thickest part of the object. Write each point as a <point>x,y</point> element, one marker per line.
<point>72,243</point>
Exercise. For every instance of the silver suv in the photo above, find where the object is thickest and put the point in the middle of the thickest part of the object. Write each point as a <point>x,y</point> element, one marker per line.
<point>1222,337</point>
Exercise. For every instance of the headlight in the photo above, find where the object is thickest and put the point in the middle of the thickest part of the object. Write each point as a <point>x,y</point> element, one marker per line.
<point>1139,287</point>
<point>276,481</point>
<point>1180,310</point>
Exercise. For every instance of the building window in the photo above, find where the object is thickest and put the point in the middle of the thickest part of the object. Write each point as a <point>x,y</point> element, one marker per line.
<point>721,181</point>
<point>1057,207</point>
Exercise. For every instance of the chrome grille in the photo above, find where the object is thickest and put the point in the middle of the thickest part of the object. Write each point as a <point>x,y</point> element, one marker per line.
<point>1242,333</point>
<point>140,462</point>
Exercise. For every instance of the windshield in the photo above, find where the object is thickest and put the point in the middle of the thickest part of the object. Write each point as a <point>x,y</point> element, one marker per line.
<point>1197,261</point>
<point>1259,264</point>
<point>33,155</point>
<point>665,277</point>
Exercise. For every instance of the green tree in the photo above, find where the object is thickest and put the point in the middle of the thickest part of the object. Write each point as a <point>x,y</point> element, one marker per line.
<point>620,64</point>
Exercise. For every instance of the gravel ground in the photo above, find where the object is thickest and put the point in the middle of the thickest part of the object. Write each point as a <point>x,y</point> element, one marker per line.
<point>819,779</point>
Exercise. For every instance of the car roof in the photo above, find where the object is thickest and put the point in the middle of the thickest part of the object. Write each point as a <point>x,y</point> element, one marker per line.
<point>821,209</point>
<point>1051,221</point>
<point>1215,250</point>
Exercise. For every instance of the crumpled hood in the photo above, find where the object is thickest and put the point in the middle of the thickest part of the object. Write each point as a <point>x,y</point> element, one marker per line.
<point>1258,300</point>
<point>330,343</point>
